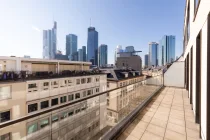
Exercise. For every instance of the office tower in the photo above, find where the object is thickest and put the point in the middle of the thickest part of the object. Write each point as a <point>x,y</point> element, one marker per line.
<point>129,49</point>
<point>168,49</point>
<point>80,55</point>
<point>50,42</point>
<point>102,55</point>
<point>160,53</point>
<point>92,46</point>
<point>51,87</point>
<point>117,50</point>
<point>84,53</point>
<point>71,45</point>
<point>75,56</point>
<point>146,60</point>
<point>153,56</point>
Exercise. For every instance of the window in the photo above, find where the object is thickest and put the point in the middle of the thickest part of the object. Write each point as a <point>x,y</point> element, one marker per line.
<point>32,128</point>
<point>88,80</point>
<point>84,93</point>
<point>63,99</point>
<point>4,116</point>
<point>54,102</point>
<point>44,104</point>
<point>64,115</point>
<point>107,84</point>
<point>71,113</point>
<point>97,89</point>
<point>46,84</point>
<point>120,84</point>
<point>63,83</point>
<point>5,92</point>
<point>97,79</point>
<point>6,136</point>
<point>32,107</point>
<point>89,92</point>
<point>77,95</point>
<point>54,84</point>
<point>78,81</point>
<point>69,81</point>
<point>77,110</point>
<point>44,123</point>
<point>54,118</point>
<point>32,85</point>
<point>83,80</point>
<point>71,97</point>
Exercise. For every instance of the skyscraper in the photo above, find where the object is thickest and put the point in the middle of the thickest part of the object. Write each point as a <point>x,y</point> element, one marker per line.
<point>146,60</point>
<point>153,56</point>
<point>84,53</point>
<point>102,55</point>
<point>80,55</point>
<point>167,45</point>
<point>117,50</point>
<point>50,42</point>
<point>71,45</point>
<point>92,46</point>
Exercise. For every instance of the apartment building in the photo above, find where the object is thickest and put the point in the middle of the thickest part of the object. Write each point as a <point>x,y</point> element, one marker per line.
<point>119,99</point>
<point>48,99</point>
<point>197,61</point>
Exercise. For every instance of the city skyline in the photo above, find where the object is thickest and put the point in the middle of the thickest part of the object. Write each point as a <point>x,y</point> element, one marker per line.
<point>73,17</point>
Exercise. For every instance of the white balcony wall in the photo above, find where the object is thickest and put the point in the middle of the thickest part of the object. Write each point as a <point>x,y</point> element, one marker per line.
<point>174,76</point>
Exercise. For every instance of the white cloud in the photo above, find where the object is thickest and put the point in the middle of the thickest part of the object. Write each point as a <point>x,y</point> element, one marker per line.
<point>36,28</point>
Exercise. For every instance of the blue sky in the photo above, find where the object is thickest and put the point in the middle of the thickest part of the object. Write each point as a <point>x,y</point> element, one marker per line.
<point>119,22</point>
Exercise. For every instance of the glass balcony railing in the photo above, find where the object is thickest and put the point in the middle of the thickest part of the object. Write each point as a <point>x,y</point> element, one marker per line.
<point>97,116</point>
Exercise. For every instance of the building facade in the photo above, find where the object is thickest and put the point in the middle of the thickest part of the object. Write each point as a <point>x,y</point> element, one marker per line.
<point>84,53</point>
<point>71,45</point>
<point>92,46</point>
<point>102,55</point>
<point>196,48</point>
<point>153,54</point>
<point>146,60</point>
<point>131,62</point>
<point>50,42</point>
<point>46,94</point>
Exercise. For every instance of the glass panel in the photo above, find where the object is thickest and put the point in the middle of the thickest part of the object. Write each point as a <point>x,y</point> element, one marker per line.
<point>4,116</point>
<point>32,128</point>
<point>54,118</point>
<point>44,123</point>
<point>32,107</point>
<point>44,104</point>
<point>54,102</point>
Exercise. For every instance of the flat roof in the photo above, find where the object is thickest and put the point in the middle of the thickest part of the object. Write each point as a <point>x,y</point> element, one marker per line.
<point>35,60</point>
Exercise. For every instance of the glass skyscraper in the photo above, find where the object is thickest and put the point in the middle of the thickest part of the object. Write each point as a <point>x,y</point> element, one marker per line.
<point>153,55</point>
<point>117,50</point>
<point>92,46</point>
<point>71,45</point>
<point>167,46</point>
<point>50,42</point>
<point>84,53</point>
<point>146,60</point>
<point>102,55</point>
<point>80,55</point>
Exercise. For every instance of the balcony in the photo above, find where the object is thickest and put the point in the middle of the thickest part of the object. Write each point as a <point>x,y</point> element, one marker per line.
<point>168,116</point>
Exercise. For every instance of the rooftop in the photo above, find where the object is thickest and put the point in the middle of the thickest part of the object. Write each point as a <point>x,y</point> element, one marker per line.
<point>168,116</point>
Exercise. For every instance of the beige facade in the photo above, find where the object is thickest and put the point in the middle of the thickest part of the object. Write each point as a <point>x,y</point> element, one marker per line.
<point>26,97</point>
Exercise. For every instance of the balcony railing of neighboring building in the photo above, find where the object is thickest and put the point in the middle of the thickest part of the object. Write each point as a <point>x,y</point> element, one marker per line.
<point>9,76</point>
<point>102,115</point>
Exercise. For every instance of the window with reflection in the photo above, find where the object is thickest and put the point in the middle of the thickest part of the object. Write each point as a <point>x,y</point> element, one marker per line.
<point>54,118</point>
<point>32,107</point>
<point>44,123</point>
<point>32,128</point>
<point>71,97</point>
<point>44,104</point>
